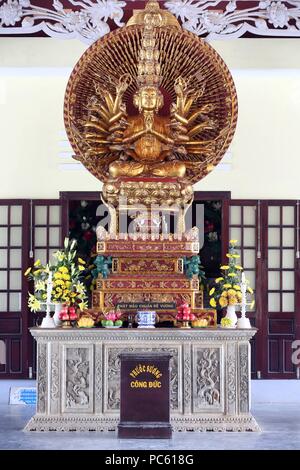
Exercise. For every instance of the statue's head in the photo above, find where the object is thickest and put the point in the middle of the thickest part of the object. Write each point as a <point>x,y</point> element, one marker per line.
<point>148,98</point>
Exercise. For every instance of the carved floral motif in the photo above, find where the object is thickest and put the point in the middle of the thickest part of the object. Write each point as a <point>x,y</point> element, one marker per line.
<point>90,18</point>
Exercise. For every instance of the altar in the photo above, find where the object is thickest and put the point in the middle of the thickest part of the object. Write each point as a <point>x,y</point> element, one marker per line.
<point>78,377</point>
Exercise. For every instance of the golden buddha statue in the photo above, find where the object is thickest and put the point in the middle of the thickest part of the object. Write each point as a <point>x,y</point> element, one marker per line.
<point>147,144</point>
<point>150,61</point>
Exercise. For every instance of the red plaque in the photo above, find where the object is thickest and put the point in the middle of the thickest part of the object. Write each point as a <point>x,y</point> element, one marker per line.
<point>145,395</point>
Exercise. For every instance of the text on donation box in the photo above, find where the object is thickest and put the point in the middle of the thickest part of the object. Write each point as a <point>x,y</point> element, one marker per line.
<point>145,389</point>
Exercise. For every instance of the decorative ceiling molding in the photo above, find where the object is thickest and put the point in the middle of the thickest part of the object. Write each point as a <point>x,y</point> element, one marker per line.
<point>87,20</point>
<point>264,18</point>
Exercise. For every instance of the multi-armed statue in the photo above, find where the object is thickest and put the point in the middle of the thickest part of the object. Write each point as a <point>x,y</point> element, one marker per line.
<point>150,109</point>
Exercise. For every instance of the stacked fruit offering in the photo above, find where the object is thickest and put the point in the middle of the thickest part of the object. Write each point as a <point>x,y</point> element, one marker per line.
<point>184,313</point>
<point>68,316</point>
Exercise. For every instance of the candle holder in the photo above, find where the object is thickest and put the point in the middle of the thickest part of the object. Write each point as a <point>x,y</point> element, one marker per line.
<point>243,322</point>
<point>48,321</point>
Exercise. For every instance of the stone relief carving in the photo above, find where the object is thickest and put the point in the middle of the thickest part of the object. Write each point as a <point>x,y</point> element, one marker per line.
<point>195,352</point>
<point>113,377</point>
<point>231,374</point>
<point>54,377</point>
<point>98,379</point>
<point>77,377</point>
<point>42,375</point>
<point>92,19</point>
<point>244,377</point>
<point>208,378</point>
<point>187,373</point>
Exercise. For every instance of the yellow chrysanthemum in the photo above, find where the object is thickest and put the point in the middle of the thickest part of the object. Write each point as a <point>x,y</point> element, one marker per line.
<point>224,293</point>
<point>219,279</point>
<point>57,275</point>
<point>233,242</point>
<point>223,302</point>
<point>231,292</point>
<point>239,267</point>
<point>27,271</point>
<point>225,267</point>
<point>212,302</point>
<point>231,274</point>
<point>250,290</point>
<point>81,268</point>
<point>80,260</point>
<point>227,286</point>
<point>63,269</point>
<point>236,287</point>
<point>232,300</point>
<point>37,263</point>
<point>212,291</point>
<point>239,296</point>
<point>66,277</point>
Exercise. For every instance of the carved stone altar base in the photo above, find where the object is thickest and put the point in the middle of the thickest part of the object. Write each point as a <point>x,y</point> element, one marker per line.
<point>78,380</point>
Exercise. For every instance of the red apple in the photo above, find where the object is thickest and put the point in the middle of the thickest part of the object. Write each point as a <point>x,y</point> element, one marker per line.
<point>185,317</point>
<point>65,316</point>
<point>73,316</point>
<point>72,310</point>
<point>192,317</point>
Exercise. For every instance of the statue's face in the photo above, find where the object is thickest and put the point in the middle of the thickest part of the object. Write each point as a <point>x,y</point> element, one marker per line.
<point>149,98</point>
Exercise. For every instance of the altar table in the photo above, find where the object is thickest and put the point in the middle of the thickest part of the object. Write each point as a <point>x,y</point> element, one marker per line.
<point>78,377</point>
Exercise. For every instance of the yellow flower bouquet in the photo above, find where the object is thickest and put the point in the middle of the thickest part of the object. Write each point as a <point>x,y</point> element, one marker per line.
<point>66,278</point>
<point>227,290</point>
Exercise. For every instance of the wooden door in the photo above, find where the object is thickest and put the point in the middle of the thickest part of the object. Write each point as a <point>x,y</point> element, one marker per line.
<point>14,259</point>
<point>244,227</point>
<point>280,296</point>
<point>268,234</point>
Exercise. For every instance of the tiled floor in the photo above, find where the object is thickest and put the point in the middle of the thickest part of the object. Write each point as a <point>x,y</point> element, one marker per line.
<point>280,424</point>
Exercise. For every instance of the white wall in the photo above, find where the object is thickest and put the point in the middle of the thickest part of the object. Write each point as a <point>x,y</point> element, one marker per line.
<point>265,162</point>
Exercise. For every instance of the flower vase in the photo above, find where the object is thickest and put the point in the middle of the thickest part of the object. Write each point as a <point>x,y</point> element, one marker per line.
<point>58,308</point>
<point>231,315</point>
